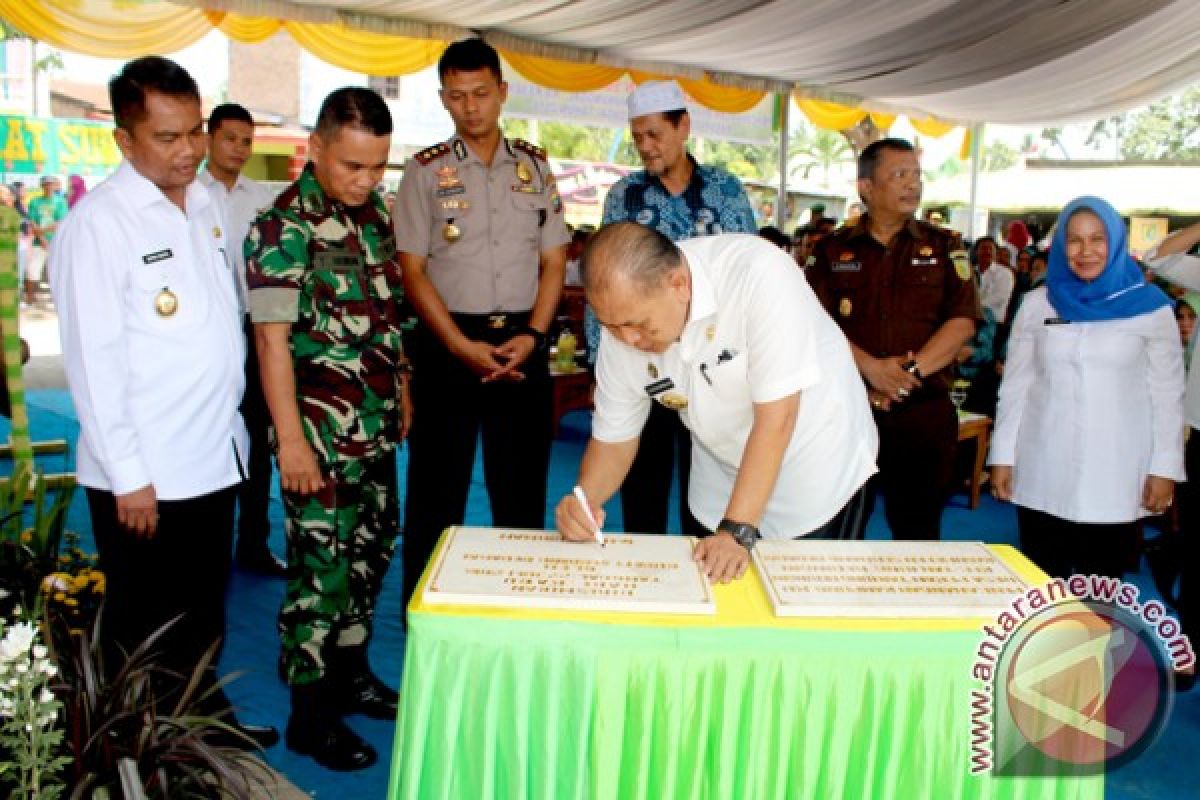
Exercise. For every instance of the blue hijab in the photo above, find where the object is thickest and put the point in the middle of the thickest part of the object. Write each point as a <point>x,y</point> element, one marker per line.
<point>1121,290</point>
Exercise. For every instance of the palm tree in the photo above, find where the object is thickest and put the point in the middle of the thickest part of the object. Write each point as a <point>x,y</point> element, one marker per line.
<point>818,148</point>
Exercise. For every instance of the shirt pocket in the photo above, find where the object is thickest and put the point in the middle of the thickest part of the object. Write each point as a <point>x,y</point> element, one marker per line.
<point>723,409</point>
<point>342,307</point>
<point>529,211</point>
<point>921,289</point>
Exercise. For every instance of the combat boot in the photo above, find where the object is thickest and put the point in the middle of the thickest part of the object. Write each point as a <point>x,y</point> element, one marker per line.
<point>316,730</point>
<point>362,691</point>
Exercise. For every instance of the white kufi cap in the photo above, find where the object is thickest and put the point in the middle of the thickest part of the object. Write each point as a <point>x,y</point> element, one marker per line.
<point>655,97</point>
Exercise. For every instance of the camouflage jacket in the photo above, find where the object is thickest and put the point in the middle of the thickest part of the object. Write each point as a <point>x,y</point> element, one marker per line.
<point>332,272</point>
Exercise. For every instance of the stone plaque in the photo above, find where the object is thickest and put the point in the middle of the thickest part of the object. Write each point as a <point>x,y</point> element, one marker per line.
<point>820,578</point>
<point>537,569</point>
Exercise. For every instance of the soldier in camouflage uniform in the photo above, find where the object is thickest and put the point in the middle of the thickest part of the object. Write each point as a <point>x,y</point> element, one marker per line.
<point>324,285</point>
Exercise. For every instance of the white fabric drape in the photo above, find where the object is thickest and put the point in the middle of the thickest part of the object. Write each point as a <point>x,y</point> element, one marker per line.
<point>1016,61</point>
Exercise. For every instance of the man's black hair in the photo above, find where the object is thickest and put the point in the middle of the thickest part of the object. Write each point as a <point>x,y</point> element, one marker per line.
<point>354,107</point>
<point>127,90</point>
<point>868,159</point>
<point>228,111</point>
<point>775,236</point>
<point>469,55</point>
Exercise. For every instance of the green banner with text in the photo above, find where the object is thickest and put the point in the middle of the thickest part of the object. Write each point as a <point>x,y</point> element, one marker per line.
<point>37,145</point>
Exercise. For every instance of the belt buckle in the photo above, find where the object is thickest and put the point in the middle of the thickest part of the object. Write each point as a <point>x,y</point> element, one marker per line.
<point>497,321</point>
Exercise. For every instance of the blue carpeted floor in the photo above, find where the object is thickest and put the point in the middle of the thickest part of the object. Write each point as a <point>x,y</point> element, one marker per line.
<point>1166,770</point>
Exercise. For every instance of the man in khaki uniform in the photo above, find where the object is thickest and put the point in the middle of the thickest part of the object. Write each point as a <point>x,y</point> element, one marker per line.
<point>482,243</point>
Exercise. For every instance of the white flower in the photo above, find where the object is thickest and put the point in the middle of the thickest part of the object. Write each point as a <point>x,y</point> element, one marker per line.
<point>40,651</point>
<point>17,640</point>
<point>50,671</point>
<point>22,667</point>
<point>46,696</point>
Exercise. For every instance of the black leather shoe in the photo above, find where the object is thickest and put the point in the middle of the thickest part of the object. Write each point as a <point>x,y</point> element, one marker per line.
<point>367,695</point>
<point>330,743</point>
<point>261,561</point>
<point>253,737</point>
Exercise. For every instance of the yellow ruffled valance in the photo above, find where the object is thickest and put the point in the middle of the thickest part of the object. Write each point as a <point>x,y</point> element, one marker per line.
<point>130,28</point>
<point>834,116</point>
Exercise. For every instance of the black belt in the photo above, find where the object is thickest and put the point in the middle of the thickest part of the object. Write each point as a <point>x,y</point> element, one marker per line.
<point>498,326</point>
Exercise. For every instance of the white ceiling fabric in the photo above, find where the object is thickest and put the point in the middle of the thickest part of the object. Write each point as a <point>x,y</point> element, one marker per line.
<point>999,61</point>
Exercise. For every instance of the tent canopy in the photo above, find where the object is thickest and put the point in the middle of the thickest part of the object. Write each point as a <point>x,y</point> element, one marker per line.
<point>1017,62</point>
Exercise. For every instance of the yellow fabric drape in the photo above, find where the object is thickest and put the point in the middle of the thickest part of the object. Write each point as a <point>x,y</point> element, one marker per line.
<point>881,120</point>
<point>562,75</point>
<point>722,98</point>
<point>836,117</point>
<point>247,30</point>
<point>931,127</point>
<point>570,77</point>
<point>362,51</point>
<point>831,116</point>
<point>107,28</point>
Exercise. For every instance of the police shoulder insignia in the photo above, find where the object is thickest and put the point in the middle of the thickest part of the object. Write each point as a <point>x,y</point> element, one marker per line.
<point>531,149</point>
<point>962,265</point>
<point>430,153</point>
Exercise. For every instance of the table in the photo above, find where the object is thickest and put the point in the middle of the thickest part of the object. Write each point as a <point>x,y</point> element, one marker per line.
<point>556,705</point>
<point>572,391</point>
<point>977,427</point>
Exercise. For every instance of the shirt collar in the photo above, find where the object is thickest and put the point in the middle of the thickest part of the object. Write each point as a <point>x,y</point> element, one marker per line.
<point>209,181</point>
<point>312,196</point>
<point>697,179</point>
<point>465,155</point>
<point>912,227</point>
<point>702,310</point>
<point>140,191</point>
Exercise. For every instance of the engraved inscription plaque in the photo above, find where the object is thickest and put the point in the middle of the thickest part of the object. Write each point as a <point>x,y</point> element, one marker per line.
<point>537,569</point>
<point>823,578</point>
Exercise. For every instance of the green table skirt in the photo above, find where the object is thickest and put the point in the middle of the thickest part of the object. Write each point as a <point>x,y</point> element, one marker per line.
<point>562,710</point>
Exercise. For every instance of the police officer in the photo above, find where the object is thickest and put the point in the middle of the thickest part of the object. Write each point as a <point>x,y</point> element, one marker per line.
<point>482,241</point>
<point>680,199</point>
<point>324,285</point>
<point>907,303</point>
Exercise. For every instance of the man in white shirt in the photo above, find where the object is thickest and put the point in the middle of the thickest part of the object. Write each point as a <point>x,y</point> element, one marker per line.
<point>996,281</point>
<point>726,331</point>
<point>154,352</point>
<point>230,142</point>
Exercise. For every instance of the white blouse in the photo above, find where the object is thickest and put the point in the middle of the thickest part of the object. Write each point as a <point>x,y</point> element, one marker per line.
<point>1088,409</point>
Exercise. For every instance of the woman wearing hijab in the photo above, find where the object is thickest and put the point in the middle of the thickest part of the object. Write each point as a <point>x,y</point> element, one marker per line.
<point>76,189</point>
<point>1089,427</point>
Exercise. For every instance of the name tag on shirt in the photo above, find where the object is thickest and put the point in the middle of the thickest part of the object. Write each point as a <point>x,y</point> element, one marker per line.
<point>1057,321</point>
<point>847,266</point>
<point>338,261</point>
<point>154,258</point>
<point>658,387</point>
<point>924,262</point>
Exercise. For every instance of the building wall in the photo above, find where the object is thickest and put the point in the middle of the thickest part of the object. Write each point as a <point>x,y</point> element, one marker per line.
<point>265,77</point>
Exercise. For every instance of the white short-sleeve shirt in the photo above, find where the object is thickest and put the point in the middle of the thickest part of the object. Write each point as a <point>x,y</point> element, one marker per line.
<point>755,333</point>
<point>157,396</point>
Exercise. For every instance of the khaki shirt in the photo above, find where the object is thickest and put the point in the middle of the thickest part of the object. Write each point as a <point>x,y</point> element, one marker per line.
<point>505,215</point>
<point>891,300</point>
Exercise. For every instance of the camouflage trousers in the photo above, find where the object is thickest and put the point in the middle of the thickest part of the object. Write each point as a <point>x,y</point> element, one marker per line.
<point>339,544</point>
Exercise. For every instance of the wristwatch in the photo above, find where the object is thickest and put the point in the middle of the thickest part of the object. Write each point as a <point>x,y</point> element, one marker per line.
<point>911,368</point>
<point>539,338</point>
<point>743,533</point>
